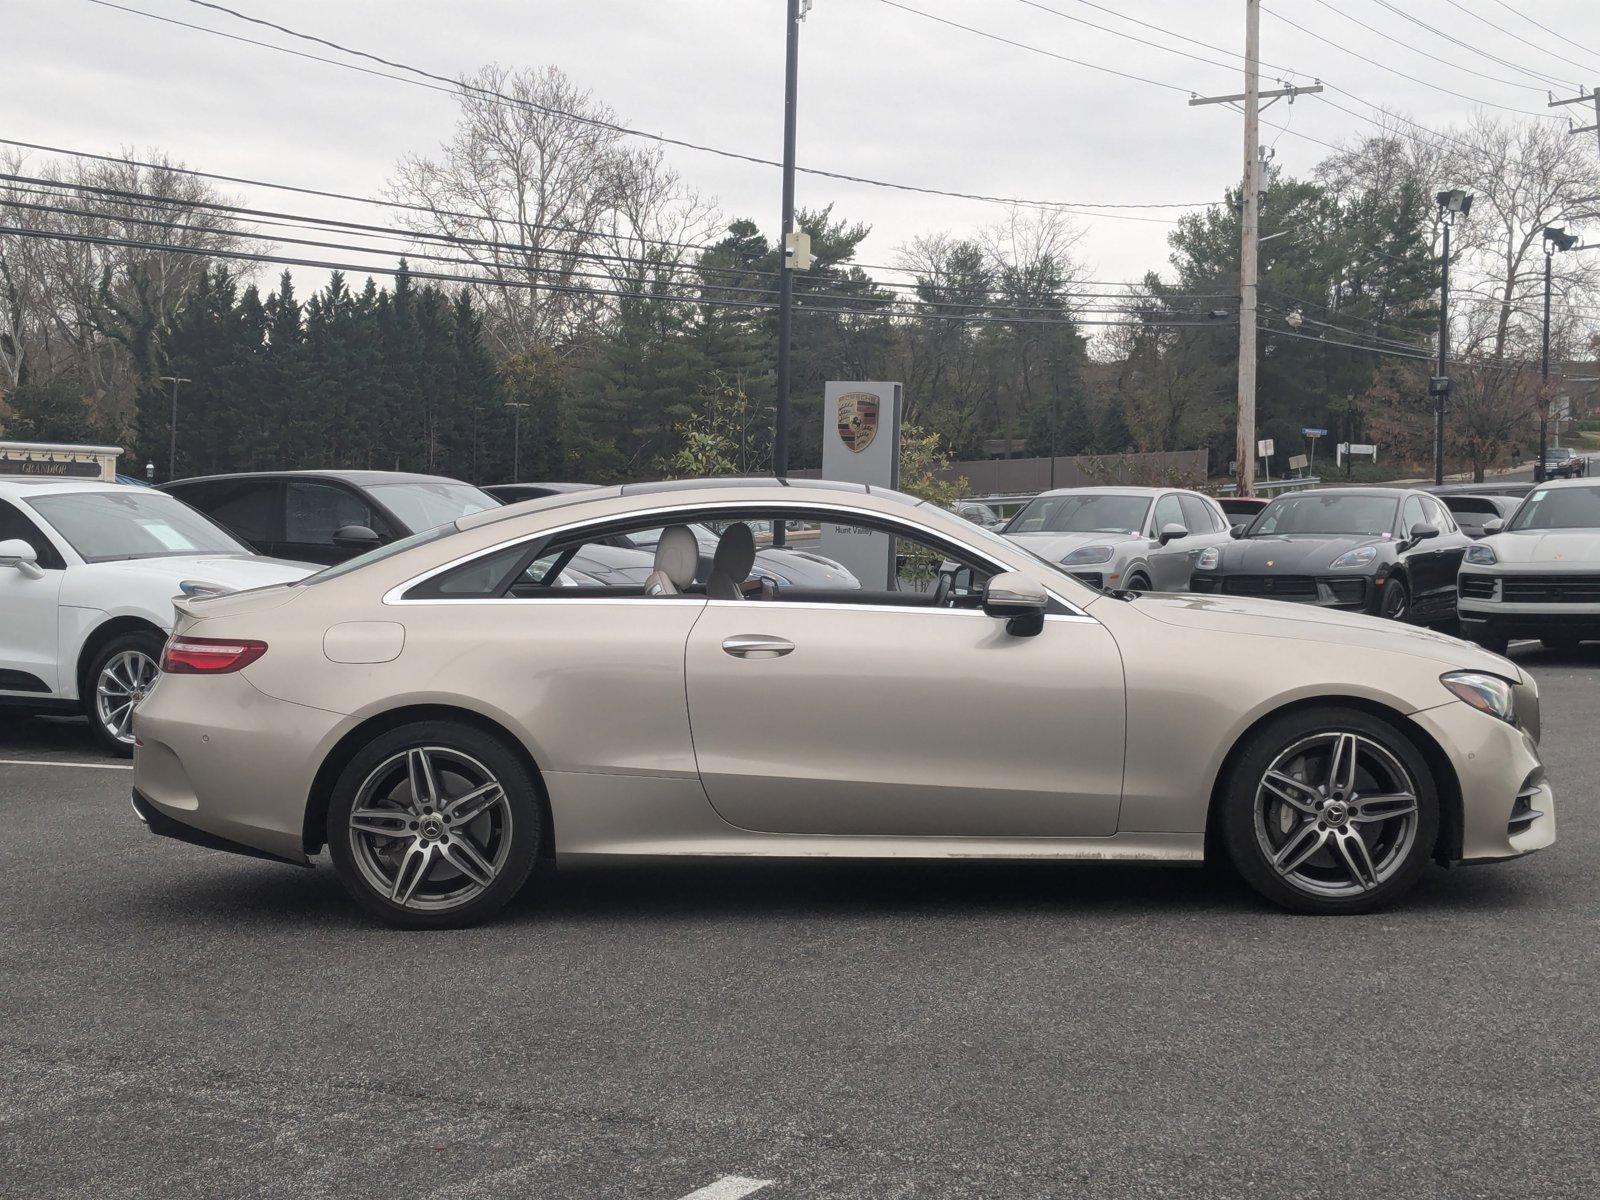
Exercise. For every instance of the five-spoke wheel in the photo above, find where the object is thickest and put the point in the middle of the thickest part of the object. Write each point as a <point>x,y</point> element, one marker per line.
<point>434,824</point>
<point>1330,810</point>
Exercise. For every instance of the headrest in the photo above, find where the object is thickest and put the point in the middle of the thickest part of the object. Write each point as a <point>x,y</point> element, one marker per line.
<point>736,553</point>
<point>678,555</point>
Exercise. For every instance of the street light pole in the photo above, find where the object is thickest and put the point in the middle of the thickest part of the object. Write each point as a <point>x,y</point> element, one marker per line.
<point>172,428</point>
<point>794,11</point>
<point>1451,204</point>
<point>1555,238</point>
<point>516,440</point>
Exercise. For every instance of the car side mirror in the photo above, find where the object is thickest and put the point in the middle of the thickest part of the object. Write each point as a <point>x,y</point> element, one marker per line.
<point>1493,525</point>
<point>355,537</point>
<point>17,554</point>
<point>1171,532</point>
<point>1421,533</point>
<point>1237,531</point>
<point>1017,600</point>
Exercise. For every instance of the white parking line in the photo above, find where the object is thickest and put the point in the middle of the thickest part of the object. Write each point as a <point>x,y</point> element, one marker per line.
<point>729,1187</point>
<point>44,762</point>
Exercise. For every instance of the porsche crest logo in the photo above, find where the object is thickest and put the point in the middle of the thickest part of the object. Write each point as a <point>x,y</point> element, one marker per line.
<point>1269,562</point>
<point>858,420</point>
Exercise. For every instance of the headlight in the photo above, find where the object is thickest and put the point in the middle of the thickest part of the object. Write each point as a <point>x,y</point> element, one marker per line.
<point>1359,557</point>
<point>1486,693</point>
<point>1088,554</point>
<point>1209,559</point>
<point>1481,555</point>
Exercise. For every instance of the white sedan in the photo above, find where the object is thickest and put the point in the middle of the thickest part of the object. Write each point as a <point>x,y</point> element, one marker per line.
<point>88,572</point>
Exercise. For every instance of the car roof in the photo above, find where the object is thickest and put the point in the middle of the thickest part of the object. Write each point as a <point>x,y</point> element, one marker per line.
<point>549,488</point>
<point>44,485</point>
<point>358,478</point>
<point>1381,492</point>
<point>1110,490</point>
<point>1567,483</point>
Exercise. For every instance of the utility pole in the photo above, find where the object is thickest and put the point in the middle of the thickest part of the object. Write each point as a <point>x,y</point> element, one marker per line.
<point>1250,233</point>
<point>172,428</point>
<point>1592,97</point>
<point>1556,239</point>
<point>794,13</point>
<point>1451,204</point>
<point>516,439</point>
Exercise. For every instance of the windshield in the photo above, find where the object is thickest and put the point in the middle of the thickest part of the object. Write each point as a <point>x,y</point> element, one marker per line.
<point>1560,508</point>
<point>1096,512</point>
<point>421,505</point>
<point>136,523</point>
<point>1369,516</point>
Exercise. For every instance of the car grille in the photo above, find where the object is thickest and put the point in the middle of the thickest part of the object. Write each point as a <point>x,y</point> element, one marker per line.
<point>1093,578</point>
<point>1276,587</point>
<point>1550,589</point>
<point>1476,587</point>
<point>1523,813</point>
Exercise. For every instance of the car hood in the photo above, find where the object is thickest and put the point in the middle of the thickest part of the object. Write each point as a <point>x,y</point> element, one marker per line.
<point>1056,546</point>
<point>1292,555</point>
<point>1546,546</point>
<point>235,572</point>
<point>1274,618</point>
<point>804,569</point>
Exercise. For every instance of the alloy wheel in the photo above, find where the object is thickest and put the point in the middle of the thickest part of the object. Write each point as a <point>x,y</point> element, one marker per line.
<point>430,829</point>
<point>123,681</point>
<point>1336,814</point>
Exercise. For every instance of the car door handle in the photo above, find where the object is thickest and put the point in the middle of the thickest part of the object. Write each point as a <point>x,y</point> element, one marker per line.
<point>756,645</point>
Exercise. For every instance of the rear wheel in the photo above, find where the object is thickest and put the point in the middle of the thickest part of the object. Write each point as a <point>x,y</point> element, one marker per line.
<point>435,825</point>
<point>1330,810</point>
<point>116,681</point>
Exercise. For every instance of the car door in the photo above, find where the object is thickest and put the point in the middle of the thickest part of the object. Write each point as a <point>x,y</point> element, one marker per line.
<point>1445,556</point>
<point>1172,564</point>
<point>29,611</point>
<point>249,508</point>
<point>314,510</point>
<point>1422,560</point>
<point>880,715</point>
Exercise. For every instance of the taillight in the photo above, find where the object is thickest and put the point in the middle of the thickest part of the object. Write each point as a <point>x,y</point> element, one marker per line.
<point>208,656</point>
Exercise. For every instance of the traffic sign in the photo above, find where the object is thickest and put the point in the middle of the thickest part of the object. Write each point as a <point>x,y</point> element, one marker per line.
<point>1307,431</point>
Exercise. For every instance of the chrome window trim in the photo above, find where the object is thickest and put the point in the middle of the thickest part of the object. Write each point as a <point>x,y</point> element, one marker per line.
<point>396,595</point>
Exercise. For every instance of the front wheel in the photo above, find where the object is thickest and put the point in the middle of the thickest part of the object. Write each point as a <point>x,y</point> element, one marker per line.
<point>434,825</point>
<point>1330,810</point>
<point>1138,582</point>
<point>1396,602</point>
<point>117,680</point>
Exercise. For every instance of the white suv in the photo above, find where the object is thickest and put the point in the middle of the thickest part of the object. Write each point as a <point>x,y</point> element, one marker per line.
<point>88,571</point>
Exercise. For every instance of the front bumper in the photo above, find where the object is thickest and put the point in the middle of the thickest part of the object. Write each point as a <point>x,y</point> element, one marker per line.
<point>1539,603</point>
<point>1507,805</point>
<point>1352,593</point>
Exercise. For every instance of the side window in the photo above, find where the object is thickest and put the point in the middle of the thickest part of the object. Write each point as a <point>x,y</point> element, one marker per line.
<point>13,524</point>
<point>1168,512</point>
<point>1196,514</point>
<point>315,511</point>
<point>248,508</point>
<point>1411,513</point>
<point>482,578</point>
<point>1438,516</point>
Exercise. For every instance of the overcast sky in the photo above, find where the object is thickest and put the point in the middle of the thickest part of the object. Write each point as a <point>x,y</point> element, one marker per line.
<point>883,92</point>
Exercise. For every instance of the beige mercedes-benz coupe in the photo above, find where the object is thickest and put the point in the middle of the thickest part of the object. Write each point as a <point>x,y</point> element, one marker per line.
<point>447,712</point>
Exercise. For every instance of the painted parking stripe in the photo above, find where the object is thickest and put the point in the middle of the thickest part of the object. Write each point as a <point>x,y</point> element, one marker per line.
<point>729,1187</point>
<point>45,762</point>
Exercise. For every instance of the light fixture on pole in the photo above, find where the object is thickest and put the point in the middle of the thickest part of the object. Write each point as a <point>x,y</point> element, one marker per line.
<point>1556,239</point>
<point>1452,204</point>
<point>172,428</point>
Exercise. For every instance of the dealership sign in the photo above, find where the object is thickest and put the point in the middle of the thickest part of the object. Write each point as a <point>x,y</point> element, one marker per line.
<point>861,444</point>
<point>58,460</point>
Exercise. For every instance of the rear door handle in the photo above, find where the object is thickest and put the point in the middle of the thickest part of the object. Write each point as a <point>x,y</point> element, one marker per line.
<point>757,645</point>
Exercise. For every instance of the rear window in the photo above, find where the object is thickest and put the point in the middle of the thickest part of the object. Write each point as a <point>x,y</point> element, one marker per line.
<point>1471,504</point>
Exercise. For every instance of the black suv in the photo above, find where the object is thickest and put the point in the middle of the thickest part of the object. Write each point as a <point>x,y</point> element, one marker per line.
<point>328,516</point>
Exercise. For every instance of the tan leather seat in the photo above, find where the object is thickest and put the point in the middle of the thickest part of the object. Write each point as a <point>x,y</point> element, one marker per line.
<point>677,559</point>
<point>730,566</point>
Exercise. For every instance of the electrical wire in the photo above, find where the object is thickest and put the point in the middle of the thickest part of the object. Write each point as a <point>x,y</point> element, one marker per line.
<point>1451,38</point>
<point>1546,28</point>
<point>1502,29</point>
<point>443,83</point>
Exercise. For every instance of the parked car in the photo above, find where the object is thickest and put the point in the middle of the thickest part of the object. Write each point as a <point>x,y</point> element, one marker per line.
<point>978,513</point>
<point>1141,539</point>
<point>88,571</point>
<point>1473,512</point>
<point>1241,510</point>
<point>441,719</point>
<point>510,493</point>
<point>1390,552</point>
<point>1539,574</point>
<point>1489,487</point>
<point>328,516</point>
<point>1562,462</point>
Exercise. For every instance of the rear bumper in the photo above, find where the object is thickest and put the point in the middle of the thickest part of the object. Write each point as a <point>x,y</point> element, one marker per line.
<point>164,825</point>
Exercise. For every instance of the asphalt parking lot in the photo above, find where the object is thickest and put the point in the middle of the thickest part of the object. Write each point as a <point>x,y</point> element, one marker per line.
<point>179,1022</point>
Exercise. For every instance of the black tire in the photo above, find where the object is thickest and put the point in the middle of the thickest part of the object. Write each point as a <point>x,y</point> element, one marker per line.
<point>1138,582</point>
<point>458,751</point>
<point>1243,838</point>
<point>1559,643</point>
<point>146,643</point>
<point>1494,643</point>
<point>1396,602</point>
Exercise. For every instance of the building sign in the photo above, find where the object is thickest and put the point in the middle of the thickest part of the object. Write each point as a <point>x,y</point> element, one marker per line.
<point>59,460</point>
<point>861,444</point>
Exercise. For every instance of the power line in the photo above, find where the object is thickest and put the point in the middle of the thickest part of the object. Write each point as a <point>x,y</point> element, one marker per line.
<point>248,256</point>
<point>1502,29</point>
<point>1449,37</point>
<point>1129,36</point>
<point>1546,28</point>
<point>443,83</point>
